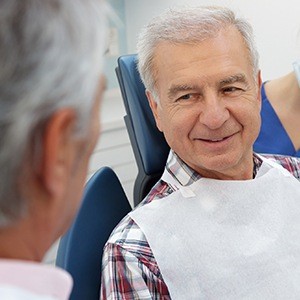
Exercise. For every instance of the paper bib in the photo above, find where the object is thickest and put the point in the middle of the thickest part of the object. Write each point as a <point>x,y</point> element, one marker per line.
<point>228,239</point>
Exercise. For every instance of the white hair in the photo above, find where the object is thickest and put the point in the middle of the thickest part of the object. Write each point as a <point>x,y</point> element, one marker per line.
<point>51,56</point>
<point>185,25</point>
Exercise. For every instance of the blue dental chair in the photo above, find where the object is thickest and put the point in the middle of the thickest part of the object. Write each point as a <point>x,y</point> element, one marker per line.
<point>104,204</point>
<point>149,145</point>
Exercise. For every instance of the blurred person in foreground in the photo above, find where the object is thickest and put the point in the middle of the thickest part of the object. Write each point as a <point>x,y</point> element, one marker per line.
<point>51,57</point>
<point>223,222</point>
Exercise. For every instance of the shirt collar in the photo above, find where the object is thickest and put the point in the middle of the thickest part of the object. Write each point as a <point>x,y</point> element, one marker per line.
<point>185,175</point>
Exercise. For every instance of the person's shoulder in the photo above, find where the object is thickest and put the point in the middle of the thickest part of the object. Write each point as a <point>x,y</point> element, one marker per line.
<point>290,163</point>
<point>127,239</point>
<point>126,229</point>
<point>127,233</point>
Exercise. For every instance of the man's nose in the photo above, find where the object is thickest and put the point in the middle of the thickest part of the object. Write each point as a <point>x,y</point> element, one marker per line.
<point>214,112</point>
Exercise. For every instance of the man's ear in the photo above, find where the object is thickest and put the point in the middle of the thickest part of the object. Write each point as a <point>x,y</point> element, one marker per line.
<point>154,107</point>
<point>59,152</point>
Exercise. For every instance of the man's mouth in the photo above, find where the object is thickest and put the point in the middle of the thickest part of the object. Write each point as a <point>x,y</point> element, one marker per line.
<point>215,140</point>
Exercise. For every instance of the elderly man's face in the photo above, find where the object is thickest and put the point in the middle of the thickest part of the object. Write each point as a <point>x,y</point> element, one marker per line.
<point>209,108</point>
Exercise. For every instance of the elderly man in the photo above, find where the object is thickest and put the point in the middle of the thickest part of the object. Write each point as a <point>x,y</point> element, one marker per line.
<point>223,222</point>
<point>51,57</point>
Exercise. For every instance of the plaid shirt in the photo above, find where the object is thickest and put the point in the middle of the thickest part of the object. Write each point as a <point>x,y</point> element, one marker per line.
<point>129,269</point>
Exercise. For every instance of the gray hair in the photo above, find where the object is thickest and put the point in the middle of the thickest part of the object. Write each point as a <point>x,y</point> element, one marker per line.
<point>51,57</point>
<point>188,25</point>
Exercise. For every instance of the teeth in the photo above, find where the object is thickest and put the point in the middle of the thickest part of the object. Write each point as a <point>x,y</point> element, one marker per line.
<point>216,140</point>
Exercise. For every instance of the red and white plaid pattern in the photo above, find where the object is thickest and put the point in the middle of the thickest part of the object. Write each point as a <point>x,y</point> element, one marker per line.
<point>129,269</point>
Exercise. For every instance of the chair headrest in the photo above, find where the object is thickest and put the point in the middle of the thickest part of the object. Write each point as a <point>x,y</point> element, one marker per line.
<point>151,143</point>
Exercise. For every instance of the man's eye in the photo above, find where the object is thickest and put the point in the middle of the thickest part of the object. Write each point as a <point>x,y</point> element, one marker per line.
<point>185,97</point>
<point>232,90</point>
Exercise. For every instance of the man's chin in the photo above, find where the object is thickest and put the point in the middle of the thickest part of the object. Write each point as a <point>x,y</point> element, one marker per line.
<point>218,167</point>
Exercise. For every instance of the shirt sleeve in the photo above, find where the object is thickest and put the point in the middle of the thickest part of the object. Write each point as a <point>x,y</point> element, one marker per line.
<point>124,276</point>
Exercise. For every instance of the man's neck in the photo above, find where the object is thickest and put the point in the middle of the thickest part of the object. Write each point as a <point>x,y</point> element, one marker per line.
<point>19,242</point>
<point>192,173</point>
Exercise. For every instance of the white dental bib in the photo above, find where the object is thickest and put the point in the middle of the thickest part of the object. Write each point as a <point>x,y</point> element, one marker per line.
<point>228,239</point>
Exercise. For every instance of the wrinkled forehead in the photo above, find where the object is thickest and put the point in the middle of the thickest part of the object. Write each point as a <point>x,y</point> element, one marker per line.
<point>201,58</point>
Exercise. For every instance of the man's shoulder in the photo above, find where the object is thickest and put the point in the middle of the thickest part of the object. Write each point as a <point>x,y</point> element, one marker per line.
<point>127,233</point>
<point>127,237</point>
<point>290,163</point>
<point>127,229</point>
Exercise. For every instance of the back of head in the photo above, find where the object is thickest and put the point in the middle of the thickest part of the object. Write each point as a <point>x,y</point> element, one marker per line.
<point>188,25</point>
<point>51,56</point>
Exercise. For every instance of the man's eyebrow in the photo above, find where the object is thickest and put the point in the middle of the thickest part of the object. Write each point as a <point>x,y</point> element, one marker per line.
<point>233,79</point>
<point>175,89</point>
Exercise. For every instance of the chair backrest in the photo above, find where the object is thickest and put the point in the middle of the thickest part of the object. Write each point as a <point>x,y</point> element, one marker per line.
<point>103,206</point>
<point>149,145</point>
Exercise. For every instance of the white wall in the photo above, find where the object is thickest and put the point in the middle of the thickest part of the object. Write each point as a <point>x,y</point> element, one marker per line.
<point>276,26</point>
